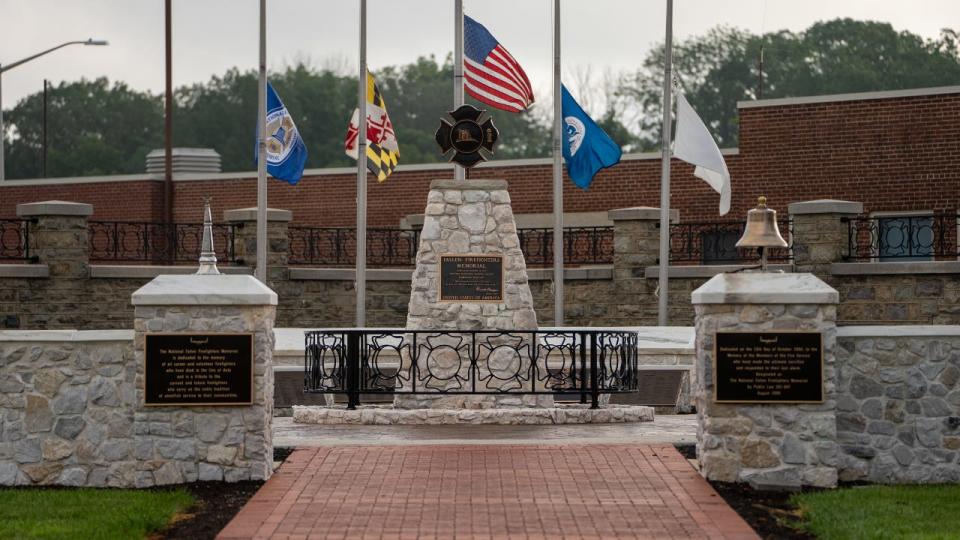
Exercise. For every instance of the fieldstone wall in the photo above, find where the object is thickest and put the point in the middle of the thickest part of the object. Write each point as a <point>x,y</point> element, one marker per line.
<point>185,444</point>
<point>898,404</point>
<point>898,299</point>
<point>67,403</point>
<point>773,446</point>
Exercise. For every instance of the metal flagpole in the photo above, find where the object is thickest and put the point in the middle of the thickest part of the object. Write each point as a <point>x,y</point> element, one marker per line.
<point>664,263</point>
<point>557,174</point>
<point>361,269</point>
<point>459,172</point>
<point>261,271</point>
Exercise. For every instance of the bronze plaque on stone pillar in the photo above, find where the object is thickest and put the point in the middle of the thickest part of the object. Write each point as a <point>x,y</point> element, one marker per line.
<point>471,278</point>
<point>198,369</point>
<point>768,367</point>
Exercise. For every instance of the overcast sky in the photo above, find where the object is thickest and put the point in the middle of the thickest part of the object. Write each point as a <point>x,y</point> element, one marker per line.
<point>210,36</point>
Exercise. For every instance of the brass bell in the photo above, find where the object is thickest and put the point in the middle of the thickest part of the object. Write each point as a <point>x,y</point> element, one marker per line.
<point>761,231</point>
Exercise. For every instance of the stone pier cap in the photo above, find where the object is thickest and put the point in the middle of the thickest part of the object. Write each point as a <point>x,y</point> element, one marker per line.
<point>221,290</point>
<point>466,185</point>
<point>765,288</point>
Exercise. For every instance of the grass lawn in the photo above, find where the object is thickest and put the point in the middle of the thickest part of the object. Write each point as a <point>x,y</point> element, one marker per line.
<point>928,512</point>
<point>87,513</point>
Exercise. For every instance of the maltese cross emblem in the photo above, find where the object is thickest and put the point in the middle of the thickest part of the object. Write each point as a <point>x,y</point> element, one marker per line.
<point>466,136</point>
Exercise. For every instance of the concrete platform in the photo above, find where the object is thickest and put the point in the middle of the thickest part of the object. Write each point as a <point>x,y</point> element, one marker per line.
<point>665,429</point>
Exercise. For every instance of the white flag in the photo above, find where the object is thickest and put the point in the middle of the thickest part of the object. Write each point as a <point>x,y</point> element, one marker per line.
<point>696,146</point>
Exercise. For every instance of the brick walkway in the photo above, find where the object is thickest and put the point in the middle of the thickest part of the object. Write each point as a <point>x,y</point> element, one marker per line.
<point>511,491</point>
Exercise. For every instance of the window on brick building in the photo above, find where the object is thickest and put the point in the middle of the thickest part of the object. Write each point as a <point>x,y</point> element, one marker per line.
<point>904,237</point>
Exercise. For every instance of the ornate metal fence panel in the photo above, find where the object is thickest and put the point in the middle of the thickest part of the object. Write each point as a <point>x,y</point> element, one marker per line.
<point>715,243</point>
<point>337,246</point>
<point>581,245</point>
<point>903,237</point>
<point>15,240</point>
<point>494,362</point>
<point>159,243</point>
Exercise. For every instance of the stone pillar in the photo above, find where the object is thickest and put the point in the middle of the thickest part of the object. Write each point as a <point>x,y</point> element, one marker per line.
<point>768,445</point>
<point>174,444</point>
<point>469,217</point>
<point>636,246</point>
<point>819,233</point>
<point>59,237</point>
<point>278,243</point>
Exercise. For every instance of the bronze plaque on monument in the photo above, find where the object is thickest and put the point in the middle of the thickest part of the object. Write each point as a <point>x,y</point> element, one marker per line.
<point>768,367</point>
<point>471,278</point>
<point>198,369</point>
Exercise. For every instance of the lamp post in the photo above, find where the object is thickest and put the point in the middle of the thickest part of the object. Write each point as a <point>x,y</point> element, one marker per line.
<point>8,67</point>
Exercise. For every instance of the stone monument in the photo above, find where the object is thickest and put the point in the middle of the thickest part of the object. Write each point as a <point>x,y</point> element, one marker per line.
<point>469,237</point>
<point>766,380</point>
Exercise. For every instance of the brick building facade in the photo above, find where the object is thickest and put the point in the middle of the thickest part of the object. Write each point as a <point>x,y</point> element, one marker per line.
<point>892,151</point>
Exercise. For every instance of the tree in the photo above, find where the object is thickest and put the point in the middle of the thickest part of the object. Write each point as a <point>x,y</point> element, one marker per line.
<point>718,69</point>
<point>93,128</point>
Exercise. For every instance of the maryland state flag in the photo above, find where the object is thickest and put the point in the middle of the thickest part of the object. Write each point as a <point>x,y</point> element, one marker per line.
<point>382,149</point>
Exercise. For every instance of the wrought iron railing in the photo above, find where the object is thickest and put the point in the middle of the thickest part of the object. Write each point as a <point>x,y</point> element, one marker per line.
<point>715,243</point>
<point>582,362</point>
<point>581,245</point>
<point>337,246</point>
<point>902,237</point>
<point>158,243</point>
<point>388,247</point>
<point>15,240</point>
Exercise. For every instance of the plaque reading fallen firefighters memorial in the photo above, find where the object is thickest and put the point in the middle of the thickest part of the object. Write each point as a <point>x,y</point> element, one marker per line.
<point>471,278</point>
<point>198,369</point>
<point>768,367</point>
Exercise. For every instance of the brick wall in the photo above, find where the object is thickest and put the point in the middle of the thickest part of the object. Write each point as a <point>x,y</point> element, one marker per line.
<point>894,153</point>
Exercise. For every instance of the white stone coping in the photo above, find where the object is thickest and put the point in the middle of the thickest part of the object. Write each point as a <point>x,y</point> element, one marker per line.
<point>65,335</point>
<point>706,271</point>
<point>825,206</point>
<point>250,214</point>
<point>765,288</point>
<point>894,268</point>
<point>194,290</point>
<point>54,208</point>
<point>925,330</point>
<point>650,339</point>
<point>146,271</point>
<point>469,185</point>
<point>599,272</point>
<point>558,414</point>
<point>860,96</point>
<point>349,274</point>
<point>638,213</point>
<point>572,274</point>
<point>24,271</point>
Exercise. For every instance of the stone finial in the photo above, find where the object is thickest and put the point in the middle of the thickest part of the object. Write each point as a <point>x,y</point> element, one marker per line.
<point>208,259</point>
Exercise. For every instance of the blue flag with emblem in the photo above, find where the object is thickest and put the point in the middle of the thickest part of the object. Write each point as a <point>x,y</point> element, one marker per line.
<point>586,147</point>
<point>286,153</point>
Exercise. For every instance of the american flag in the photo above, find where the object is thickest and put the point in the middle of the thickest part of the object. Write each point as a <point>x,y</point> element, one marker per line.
<point>491,74</point>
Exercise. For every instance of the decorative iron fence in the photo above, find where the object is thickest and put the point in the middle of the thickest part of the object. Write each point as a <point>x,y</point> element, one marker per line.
<point>581,245</point>
<point>386,247</point>
<point>915,237</point>
<point>715,243</point>
<point>128,241</point>
<point>15,240</point>
<point>582,362</point>
<point>337,246</point>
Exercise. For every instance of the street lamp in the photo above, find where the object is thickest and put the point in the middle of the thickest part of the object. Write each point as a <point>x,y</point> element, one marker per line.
<point>8,67</point>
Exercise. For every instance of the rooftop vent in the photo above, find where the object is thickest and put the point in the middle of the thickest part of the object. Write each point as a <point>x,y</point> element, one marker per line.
<point>185,160</point>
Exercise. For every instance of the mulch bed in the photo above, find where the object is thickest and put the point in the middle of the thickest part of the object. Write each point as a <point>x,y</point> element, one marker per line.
<point>216,504</point>
<point>765,511</point>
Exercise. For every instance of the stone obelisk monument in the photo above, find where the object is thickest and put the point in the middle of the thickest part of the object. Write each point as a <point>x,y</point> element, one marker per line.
<point>469,242</point>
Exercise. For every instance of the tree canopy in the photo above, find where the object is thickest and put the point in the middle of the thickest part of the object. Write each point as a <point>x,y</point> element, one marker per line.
<point>96,127</point>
